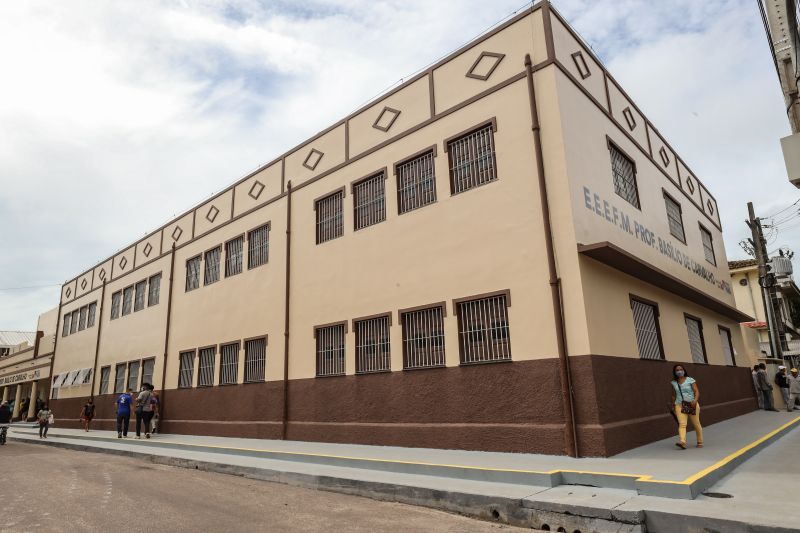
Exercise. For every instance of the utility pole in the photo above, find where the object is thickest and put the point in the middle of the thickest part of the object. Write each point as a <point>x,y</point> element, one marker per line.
<point>765,280</point>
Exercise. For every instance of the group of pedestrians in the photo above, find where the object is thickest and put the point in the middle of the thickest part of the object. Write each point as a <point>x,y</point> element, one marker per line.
<point>788,384</point>
<point>145,408</point>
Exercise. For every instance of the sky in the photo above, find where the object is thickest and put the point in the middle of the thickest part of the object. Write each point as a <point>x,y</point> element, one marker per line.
<point>116,116</point>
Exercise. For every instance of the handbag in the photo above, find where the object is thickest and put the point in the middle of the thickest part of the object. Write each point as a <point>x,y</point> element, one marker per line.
<point>686,407</point>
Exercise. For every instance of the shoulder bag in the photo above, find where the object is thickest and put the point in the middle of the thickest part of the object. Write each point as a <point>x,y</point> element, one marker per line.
<point>686,407</point>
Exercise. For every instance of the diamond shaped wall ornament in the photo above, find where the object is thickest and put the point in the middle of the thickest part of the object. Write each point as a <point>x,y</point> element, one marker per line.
<point>256,190</point>
<point>710,205</point>
<point>147,249</point>
<point>581,65</point>
<point>83,283</point>
<point>664,156</point>
<point>483,67</point>
<point>176,233</point>
<point>628,114</point>
<point>312,159</point>
<point>122,263</point>
<point>690,184</point>
<point>102,274</point>
<point>212,214</point>
<point>69,292</point>
<point>386,119</point>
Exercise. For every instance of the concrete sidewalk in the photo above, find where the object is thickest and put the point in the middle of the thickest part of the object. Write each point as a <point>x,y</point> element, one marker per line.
<point>516,487</point>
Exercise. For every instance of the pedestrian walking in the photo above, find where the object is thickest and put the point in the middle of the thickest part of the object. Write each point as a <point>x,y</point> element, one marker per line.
<point>23,409</point>
<point>45,418</point>
<point>765,387</point>
<point>685,398</point>
<point>794,389</point>
<point>87,413</point>
<point>783,383</point>
<point>759,396</point>
<point>156,403</point>
<point>144,410</point>
<point>123,410</point>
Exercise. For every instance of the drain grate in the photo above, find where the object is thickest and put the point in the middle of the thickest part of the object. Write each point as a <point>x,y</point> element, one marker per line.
<point>717,495</point>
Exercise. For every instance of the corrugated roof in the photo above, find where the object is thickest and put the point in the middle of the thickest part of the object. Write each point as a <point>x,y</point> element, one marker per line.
<point>733,265</point>
<point>12,338</point>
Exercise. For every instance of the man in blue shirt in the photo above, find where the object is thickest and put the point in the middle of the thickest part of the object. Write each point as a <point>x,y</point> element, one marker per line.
<point>123,413</point>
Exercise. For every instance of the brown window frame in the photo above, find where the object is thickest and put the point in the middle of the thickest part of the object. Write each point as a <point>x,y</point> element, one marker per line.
<point>613,146</point>
<point>402,201</point>
<point>251,252</point>
<point>457,303</point>
<point>669,198</point>
<point>380,177</point>
<point>657,315</point>
<point>317,350</point>
<point>406,339</point>
<point>229,271</point>
<point>116,311</point>
<point>705,230</point>
<point>141,370</point>
<point>491,124</point>
<point>108,380</point>
<point>238,345</point>
<point>181,353</point>
<point>208,276</point>
<point>721,328</point>
<point>156,292</point>
<point>359,360</point>
<point>687,316</point>
<point>199,259</point>
<point>338,229</point>
<point>200,373</point>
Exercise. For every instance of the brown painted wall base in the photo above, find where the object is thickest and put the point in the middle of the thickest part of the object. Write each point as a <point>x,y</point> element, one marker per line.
<point>621,403</point>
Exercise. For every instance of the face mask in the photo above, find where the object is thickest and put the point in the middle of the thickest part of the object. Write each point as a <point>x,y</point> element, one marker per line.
<point>679,373</point>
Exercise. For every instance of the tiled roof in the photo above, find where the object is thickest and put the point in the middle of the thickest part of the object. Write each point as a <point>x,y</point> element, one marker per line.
<point>12,338</point>
<point>732,265</point>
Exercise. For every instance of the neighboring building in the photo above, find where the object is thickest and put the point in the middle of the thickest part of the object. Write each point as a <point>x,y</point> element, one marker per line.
<point>13,341</point>
<point>25,372</point>
<point>391,281</point>
<point>786,305</point>
<point>780,19</point>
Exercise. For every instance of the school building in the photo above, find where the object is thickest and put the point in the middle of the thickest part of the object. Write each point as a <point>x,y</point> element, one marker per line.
<point>503,253</point>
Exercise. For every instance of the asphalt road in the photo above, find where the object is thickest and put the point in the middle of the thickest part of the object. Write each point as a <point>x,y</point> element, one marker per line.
<point>51,489</point>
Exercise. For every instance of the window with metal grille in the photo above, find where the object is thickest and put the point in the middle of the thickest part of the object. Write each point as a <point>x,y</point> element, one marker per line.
<point>373,352</point>
<point>73,327</point>
<point>416,183</point>
<point>82,318</point>
<point>65,329</point>
<point>255,360</point>
<point>115,300</point>
<point>483,330</point>
<point>205,377</point>
<point>133,375</point>
<point>330,350</point>
<point>119,378</point>
<point>186,370</point>
<point>229,364</point>
<point>472,160</point>
<point>369,201</point>
<point>127,300</point>
<point>727,346</point>
<point>141,289</point>
<point>708,245</point>
<point>697,345</point>
<point>258,247</point>
<point>192,273</point>
<point>148,366</point>
<point>154,290</point>
<point>211,272</point>
<point>423,338</point>
<point>624,172</point>
<point>233,256</point>
<point>91,314</point>
<point>105,376</point>
<point>675,218</point>
<point>86,376</point>
<point>648,335</point>
<point>330,221</point>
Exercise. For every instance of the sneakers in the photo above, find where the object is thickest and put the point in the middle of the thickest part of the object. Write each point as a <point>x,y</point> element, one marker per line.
<point>138,436</point>
<point>119,435</point>
<point>147,435</point>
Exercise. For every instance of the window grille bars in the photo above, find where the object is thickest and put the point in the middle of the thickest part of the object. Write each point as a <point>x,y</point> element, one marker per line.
<point>119,378</point>
<point>82,318</point>
<point>483,330</point>
<point>186,371</point>
<point>154,292</point>
<point>330,350</point>
<point>233,256</point>
<point>193,273</point>
<point>91,314</point>
<point>373,352</point>
<point>696,346</point>
<point>675,219</point>
<point>727,346</point>
<point>423,338</point>
<point>105,376</point>
<point>624,176</point>
<point>369,201</point>
<point>255,360</point>
<point>229,364</point>
<point>206,375</point>
<point>127,300</point>
<point>115,300</point>
<point>148,366</point>
<point>66,325</point>
<point>133,375</point>
<point>472,160</point>
<point>73,327</point>
<point>645,322</point>
<point>141,288</point>
<point>258,247</point>
<point>211,273</point>
<point>708,245</point>
<point>330,222</point>
<point>416,183</point>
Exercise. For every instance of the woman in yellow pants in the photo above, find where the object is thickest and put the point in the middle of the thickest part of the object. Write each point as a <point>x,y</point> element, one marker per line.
<point>686,397</point>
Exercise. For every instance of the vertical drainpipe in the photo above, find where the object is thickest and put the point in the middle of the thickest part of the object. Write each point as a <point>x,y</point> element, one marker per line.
<point>55,345</point>
<point>99,319</point>
<point>570,434</point>
<point>286,311</point>
<point>166,334</point>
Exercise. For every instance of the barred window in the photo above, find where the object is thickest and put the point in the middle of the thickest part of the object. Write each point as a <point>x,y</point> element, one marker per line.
<point>154,292</point>
<point>675,218</point>
<point>330,221</point>
<point>133,375</point>
<point>369,201</point>
<point>141,288</point>
<point>85,376</point>
<point>423,338</point>
<point>727,346</point>
<point>82,318</point>
<point>206,374</point>
<point>65,329</point>
<point>127,300</point>
<point>648,334</point>
<point>73,327</point>
<point>416,183</point>
<point>624,172</point>
<point>186,370</point>
<point>211,273</point>
<point>91,314</point>
<point>115,300</point>
<point>483,330</point>
<point>105,376</point>
<point>233,256</point>
<point>708,245</point>
<point>192,273</point>
<point>255,360</point>
<point>472,160</point>
<point>229,364</point>
<point>330,350</point>
<point>372,345</point>
<point>697,345</point>
<point>119,378</point>
<point>258,247</point>
<point>148,365</point>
